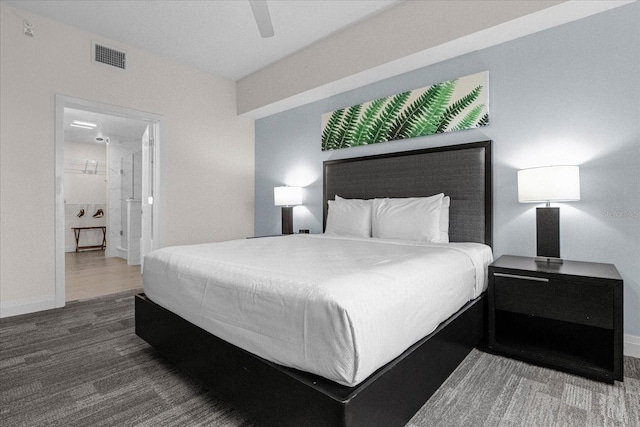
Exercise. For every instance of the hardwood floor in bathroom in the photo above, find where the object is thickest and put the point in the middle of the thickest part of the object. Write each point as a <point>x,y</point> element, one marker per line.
<point>90,274</point>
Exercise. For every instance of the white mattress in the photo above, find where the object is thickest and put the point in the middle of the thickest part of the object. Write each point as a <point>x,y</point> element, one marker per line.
<point>337,307</point>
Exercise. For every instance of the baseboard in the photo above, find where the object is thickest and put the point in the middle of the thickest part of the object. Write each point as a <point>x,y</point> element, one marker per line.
<point>25,306</point>
<point>632,346</point>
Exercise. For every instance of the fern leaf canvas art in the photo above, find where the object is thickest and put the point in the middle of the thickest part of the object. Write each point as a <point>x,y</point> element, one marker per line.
<point>450,106</point>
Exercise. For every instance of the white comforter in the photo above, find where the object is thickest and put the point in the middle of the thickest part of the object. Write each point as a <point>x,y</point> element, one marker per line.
<point>337,307</point>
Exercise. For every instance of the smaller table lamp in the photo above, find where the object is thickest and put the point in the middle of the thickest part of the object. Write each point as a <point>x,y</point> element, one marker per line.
<point>545,185</point>
<point>287,197</point>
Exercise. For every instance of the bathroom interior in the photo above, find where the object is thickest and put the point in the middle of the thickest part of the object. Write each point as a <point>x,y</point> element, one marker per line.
<point>103,189</point>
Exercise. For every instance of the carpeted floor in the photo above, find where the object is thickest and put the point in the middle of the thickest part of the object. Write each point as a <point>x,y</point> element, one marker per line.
<point>84,366</point>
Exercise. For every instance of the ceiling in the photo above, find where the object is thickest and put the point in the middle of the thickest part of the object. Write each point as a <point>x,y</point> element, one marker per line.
<point>220,37</point>
<point>108,127</point>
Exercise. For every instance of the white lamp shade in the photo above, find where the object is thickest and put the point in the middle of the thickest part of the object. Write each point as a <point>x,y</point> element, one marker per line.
<point>549,184</point>
<point>287,196</point>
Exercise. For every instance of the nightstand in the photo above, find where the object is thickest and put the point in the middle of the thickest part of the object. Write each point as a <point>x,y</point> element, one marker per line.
<point>563,316</point>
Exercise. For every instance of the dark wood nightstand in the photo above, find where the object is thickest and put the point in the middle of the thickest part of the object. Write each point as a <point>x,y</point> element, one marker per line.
<point>563,316</point>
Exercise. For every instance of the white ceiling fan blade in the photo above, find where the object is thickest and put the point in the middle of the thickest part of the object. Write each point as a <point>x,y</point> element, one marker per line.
<point>260,11</point>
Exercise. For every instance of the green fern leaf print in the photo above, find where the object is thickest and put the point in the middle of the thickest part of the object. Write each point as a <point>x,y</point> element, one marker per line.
<point>362,134</point>
<point>348,126</point>
<point>456,108</point>
<point>331,130</point>
<point>382,125</point>
<point>450,106</point>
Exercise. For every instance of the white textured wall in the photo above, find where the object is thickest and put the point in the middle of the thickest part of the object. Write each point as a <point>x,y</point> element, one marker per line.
<point>81,187</point>
<point>208,153</point>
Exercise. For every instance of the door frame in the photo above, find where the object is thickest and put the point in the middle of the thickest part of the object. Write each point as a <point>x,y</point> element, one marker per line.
<point>155,120</point>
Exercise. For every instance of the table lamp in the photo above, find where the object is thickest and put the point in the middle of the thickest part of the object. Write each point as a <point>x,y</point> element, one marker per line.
<point>545,185</point>
<point>287,197</point>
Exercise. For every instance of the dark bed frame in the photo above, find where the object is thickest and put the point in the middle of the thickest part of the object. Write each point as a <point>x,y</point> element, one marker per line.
<point>273,395</point>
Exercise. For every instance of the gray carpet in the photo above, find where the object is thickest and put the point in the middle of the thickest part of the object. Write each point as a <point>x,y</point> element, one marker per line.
<point>84,366</point>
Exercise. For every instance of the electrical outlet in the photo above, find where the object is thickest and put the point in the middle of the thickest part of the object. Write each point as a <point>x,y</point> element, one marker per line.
<point>27,28</point>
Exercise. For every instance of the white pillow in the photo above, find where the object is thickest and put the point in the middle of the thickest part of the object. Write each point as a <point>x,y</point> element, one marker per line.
<point>444,220</point>
<point>349,217</point>
<point>413,218</point>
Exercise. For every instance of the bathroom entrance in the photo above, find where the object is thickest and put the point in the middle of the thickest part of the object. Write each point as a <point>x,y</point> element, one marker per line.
<point>106,160</point>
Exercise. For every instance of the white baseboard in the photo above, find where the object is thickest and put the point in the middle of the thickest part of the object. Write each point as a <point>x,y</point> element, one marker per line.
<point>24,306</point>
<point>631,346</point>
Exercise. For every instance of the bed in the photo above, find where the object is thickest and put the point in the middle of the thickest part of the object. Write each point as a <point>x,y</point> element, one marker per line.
<point>356,394</point>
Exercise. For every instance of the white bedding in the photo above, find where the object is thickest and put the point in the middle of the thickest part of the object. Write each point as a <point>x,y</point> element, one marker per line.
<point>337,307</point>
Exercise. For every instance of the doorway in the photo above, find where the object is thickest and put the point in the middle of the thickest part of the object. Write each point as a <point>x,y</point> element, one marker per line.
<point>125,206</point>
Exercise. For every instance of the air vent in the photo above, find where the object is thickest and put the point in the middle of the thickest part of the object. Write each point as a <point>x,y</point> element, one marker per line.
<point>108,56</point>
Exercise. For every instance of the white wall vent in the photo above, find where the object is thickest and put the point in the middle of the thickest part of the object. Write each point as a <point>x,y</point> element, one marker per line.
<point>109,56</point>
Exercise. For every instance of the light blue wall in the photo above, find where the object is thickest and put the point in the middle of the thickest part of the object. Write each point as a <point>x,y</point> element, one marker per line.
<point>568,95</point>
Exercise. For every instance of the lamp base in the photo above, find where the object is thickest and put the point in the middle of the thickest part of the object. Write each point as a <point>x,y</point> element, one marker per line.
<point>548,260</point>
<point>548,233</point>
<point>287,220</point>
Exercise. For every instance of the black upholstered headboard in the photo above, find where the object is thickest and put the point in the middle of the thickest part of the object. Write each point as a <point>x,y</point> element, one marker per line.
<point>462,172</point>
